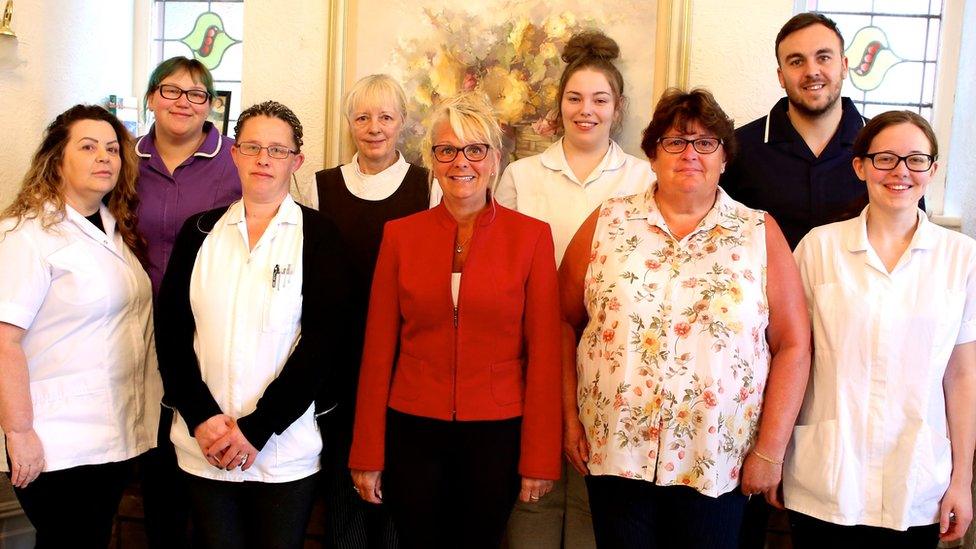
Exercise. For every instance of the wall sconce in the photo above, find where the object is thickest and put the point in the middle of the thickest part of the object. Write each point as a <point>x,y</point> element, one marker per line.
<point>8,14</point>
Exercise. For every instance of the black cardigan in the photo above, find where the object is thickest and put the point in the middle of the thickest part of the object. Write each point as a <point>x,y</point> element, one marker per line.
<point>309,371</point>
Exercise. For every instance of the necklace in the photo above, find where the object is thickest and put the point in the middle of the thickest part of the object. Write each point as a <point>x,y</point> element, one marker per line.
<point>459,246</point>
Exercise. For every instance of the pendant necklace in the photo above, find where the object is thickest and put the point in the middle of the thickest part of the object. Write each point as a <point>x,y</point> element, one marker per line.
<point>459,246</point>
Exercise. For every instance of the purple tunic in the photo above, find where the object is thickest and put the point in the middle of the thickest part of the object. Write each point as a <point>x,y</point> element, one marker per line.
<point>206,180</point>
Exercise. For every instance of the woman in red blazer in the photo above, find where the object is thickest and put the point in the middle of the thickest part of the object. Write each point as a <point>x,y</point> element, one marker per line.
<point>458,410</point>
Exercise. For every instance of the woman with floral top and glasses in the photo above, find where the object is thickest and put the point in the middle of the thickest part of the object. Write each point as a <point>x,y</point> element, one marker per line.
<point>685,311</point>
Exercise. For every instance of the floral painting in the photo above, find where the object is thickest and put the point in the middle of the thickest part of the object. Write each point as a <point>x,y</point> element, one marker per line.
<point>509,50</point>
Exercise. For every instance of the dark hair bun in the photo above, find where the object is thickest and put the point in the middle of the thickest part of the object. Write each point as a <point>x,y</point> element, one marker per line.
<point>590,44</point>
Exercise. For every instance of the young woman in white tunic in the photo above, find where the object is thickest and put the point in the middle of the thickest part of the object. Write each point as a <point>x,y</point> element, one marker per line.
<point>882,452</point>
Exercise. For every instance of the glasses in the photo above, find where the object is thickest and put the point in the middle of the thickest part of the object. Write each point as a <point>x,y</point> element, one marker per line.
<point>677,145</point>
<point>917,162</point>
<point>198,97</point>
<point>473,152</point>
<point>274,151</point>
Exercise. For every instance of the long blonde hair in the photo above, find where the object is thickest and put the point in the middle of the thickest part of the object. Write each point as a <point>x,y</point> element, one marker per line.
<point>43,184</point>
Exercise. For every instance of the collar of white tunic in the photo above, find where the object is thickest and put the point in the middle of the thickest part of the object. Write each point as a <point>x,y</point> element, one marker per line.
<point>288,213</point>
<point>377,186</point>
<point>554,158</point>
<point>856,238</point>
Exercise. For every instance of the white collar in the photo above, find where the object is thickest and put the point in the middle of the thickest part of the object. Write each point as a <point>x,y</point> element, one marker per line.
<point>554,158</point>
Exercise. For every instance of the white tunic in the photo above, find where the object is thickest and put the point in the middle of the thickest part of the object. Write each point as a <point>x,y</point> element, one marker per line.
<point>870,444</point>
<point>247,307</point>
<point>86,305</point>
<point>544,187</point>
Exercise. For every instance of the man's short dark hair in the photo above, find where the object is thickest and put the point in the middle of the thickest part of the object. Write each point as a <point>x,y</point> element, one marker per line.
<point>801,21</point>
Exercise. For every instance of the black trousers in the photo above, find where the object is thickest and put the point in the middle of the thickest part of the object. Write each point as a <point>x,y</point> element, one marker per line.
<point>164,493</point>
<point>629,513</point>
<point>813,533</point>
<point>451,483</point>
<point>75,507</point>
<point>350,522</point>
<point>258,515</point>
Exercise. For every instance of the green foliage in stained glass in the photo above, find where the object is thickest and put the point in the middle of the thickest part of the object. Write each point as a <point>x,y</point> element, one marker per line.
<point>208,40</point>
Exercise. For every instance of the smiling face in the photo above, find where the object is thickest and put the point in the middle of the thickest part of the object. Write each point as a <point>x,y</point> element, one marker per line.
<point>178,117</point>
<point>588,109</point>
<point>688,171</point>
<point>897,189</point>
<point>375,131</point>
<point>464,182</point>
<point>90,164</point>
<point>812,69</point>
<point>263,178</point>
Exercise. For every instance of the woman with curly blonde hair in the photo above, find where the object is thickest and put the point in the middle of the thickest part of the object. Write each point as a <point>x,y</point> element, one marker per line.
<point>80,393</point>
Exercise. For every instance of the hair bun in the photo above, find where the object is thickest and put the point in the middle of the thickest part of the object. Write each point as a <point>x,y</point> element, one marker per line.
<point>590,44</point>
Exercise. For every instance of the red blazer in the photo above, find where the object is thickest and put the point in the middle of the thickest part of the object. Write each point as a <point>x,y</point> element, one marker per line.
<point>498,360</point>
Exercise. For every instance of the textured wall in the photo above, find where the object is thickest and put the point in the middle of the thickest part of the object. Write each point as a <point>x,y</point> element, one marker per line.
<point>732,53</point>
<point>961,186</point>
<point>284,59</point>
<point>66,52</point>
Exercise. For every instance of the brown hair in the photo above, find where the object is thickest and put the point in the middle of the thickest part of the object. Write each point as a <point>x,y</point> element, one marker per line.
<point>43,183</point>
<point>862,143</point>
<point>801,21</point>
<point>197,71</point>
<point>272,109</point>
<point>678,109</point>
<point>596,51</point>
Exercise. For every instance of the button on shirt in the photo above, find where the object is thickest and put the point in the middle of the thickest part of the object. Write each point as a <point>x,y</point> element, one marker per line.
<point>207,179</point>
<point>247,307</point>
<point>776,171</point>
<point>85,303</point>
<point>871,446</point>
<point>544,187</point>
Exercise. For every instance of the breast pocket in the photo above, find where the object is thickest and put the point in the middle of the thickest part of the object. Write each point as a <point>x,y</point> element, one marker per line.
<point>76,278</point>
<point>282,312</point>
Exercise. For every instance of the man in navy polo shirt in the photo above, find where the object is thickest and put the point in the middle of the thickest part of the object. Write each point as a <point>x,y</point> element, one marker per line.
<point>795,163</point>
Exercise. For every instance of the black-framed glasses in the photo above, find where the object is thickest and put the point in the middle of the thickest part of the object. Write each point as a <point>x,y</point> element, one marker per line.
<point>169,91</point>
<point>918,162</point>
<point>274,151</point>
<point>677,145</point>
<point>474,152</point>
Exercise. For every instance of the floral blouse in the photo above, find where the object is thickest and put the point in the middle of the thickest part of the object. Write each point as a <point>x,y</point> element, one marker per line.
<point>673,361</point>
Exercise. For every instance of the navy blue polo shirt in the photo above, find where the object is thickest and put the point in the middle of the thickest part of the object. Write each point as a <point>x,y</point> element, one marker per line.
<point>777,172</point>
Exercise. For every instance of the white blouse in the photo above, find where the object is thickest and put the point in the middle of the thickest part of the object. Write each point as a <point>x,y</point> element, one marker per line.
<point>247,307</point>
<point>86,305</point>
<point>378,186</point>
<point>544,187</point>
<point>870,446</point>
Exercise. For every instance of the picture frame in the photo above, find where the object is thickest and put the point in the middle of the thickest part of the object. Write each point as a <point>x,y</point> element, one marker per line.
<point>220,110</point>
<point>386,36</point>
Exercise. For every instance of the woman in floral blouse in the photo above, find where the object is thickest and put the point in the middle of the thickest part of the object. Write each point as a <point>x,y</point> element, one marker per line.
<point>685,305</point>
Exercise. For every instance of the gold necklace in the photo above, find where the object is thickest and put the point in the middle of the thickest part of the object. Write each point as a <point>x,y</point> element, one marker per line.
<point>459,246</point>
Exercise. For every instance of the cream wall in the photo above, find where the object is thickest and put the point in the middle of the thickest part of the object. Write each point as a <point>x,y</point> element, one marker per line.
<point>732,53</point>
<point>285,60</point>
<point>961,174</point>
<point>66,52</point>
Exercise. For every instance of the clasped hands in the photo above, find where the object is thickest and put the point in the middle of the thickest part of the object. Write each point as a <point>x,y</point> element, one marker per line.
<point>223,443</point>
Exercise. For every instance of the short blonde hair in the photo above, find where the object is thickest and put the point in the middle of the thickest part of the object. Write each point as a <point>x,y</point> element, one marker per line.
<point>375,90</point>
<point>473,120</point>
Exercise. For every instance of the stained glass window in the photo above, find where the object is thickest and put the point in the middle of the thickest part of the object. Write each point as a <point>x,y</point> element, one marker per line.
<point>892,47</point>
<point>211,31</point>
